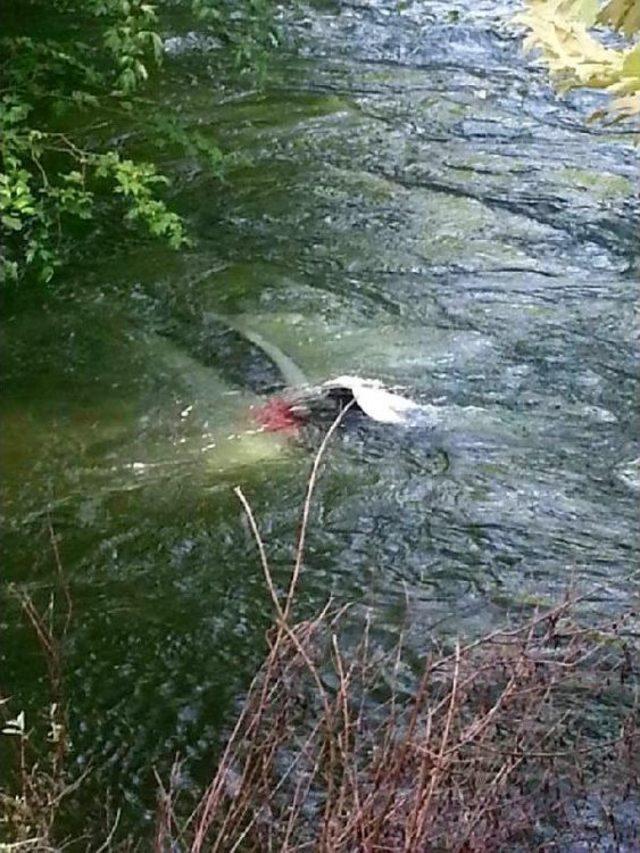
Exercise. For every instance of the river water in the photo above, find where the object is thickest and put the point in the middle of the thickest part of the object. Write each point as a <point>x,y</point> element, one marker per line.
<point>408,201</point>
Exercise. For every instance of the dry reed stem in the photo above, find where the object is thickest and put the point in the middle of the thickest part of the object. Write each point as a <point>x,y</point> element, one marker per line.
<point>455,767</point>
<point>423,764</point>
<point>211,803</point>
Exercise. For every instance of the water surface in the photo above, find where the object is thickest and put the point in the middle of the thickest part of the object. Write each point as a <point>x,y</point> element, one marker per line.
<point>410,202</point>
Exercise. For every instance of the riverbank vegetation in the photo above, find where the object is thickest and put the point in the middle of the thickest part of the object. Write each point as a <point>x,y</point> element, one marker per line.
<point>77,106</point>
<point>577,42</point>
<point>525,738</point>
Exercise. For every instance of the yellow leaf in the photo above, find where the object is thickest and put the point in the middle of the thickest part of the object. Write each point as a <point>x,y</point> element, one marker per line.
<point>584,11</point>
<point>559,29</point>
<point>631,62</point>
<point>622,15</point>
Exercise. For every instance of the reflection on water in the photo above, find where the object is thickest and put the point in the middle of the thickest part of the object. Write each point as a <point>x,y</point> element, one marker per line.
<point>414,205</point>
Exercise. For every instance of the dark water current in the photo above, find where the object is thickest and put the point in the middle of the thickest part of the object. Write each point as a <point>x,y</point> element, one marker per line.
<point>412,203</point>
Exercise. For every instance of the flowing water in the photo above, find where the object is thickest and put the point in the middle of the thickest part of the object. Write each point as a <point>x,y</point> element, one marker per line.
<point>410,202</point>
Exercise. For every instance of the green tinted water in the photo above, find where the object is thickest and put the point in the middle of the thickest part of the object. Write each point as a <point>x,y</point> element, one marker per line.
<point>410,203</point>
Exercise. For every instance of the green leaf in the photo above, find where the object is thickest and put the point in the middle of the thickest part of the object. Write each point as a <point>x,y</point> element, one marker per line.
<point>11,222</point>
<point>158,49</point>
